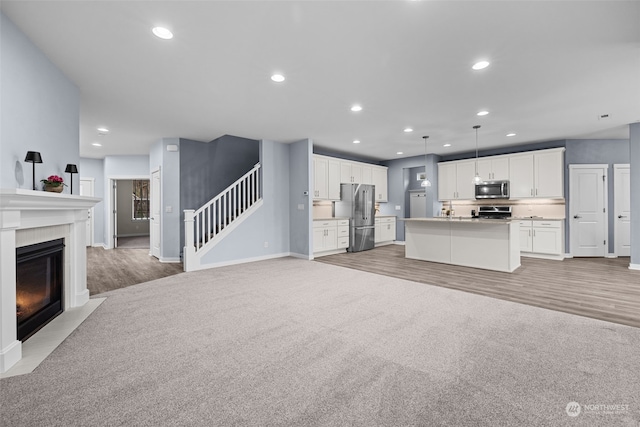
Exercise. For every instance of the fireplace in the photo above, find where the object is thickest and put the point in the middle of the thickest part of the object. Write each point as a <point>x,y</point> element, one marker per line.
<point>39,284</point>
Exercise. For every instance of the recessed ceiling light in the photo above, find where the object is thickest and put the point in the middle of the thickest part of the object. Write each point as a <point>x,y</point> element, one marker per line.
<point>511,134</point>
<point>480,65</point>
<point>408,130</point>
<point>356,108</point>
<point>103,130</point>
<point>278,78</point>
<point>97,144</point>
<point>162,33</point>
<point>399,152</point>
<point>483,113</point>
<point>447,145</point>
<point>355,141</point>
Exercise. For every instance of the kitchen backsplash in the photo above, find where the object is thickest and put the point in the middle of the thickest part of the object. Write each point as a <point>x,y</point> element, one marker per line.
<point>324,209</point>
<point>542,208</point>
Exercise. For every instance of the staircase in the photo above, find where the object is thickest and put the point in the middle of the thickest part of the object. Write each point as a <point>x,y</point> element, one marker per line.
<point>207,226</point>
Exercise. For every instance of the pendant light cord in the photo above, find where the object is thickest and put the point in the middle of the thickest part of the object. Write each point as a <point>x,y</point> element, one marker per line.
<point>476,127</point>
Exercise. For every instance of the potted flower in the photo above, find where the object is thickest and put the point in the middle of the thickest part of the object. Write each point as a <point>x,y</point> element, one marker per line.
<point>54,183</point>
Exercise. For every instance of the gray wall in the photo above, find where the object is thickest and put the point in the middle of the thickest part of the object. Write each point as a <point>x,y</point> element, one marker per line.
<point>634,156</point>
<point>300,167</point>
<point>401,178</point>
<point>589,151</point>
<point>170,222</point>
<point>39,111</point>
<point>94,168</point>
<point>265,233</point>
<point>127,226</point>
<point>207,168</point>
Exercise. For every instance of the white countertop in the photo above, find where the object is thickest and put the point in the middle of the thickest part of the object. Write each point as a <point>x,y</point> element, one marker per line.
<point>329,218</point>
<point>466,219</point>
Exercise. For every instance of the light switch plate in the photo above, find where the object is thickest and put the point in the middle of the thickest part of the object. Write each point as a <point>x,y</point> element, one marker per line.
<point>300,207</point>
<point>398,207</point>
<point>168,209</point>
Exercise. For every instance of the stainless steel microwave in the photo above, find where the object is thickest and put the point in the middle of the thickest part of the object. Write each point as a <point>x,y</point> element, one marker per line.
<point>492,190</point>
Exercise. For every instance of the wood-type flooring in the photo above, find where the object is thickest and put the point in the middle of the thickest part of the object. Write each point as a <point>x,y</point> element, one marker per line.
<point>600,288</point>
<point>118,268</point>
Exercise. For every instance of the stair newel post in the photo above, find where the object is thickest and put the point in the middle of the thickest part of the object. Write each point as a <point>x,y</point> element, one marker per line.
<point>189,251</point>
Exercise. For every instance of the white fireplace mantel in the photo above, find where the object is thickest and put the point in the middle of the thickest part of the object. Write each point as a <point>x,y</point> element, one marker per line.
<point>25,210</point>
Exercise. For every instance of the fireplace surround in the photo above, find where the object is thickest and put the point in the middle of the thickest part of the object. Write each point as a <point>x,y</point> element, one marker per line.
<point>30,217</point>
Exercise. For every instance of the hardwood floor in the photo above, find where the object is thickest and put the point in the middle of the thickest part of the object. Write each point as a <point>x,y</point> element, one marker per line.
<point>117,268</point>
<point>601,288</point>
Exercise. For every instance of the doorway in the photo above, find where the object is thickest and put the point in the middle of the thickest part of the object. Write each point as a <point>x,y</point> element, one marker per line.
<point>130,215</point>
<point>622,209</point>
<point>588,225</point>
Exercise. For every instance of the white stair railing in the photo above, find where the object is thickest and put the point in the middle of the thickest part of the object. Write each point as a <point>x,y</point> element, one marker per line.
<point>203,225</point>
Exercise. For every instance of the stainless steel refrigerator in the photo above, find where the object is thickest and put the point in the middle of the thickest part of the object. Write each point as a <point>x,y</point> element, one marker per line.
<point>357,202</point>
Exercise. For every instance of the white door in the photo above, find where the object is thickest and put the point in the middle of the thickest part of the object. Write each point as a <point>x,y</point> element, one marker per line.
<point>155,214</point>
<point>86,189</point>
<point>114,213</point>
<point>622,209</point>
<point>588,219</point>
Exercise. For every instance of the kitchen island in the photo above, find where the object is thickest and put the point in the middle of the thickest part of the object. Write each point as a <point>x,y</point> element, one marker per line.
<point>491,244</point>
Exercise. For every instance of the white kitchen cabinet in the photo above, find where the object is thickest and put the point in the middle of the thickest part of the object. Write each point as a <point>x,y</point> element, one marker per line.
<point>549,173</point>
<point>320,178</point>
<point>325,235</point>
<point>521,176</point>
<point>447,181</point>
<point>350,172</point>
<point>537,174</point>
<point>385,230</point>
<point>455,180</point>
<point>526,236</point>
<point>343,233</point>
<point>542,238</point>
<point>379,179</point>
<point>333,172</point>
<point>367,175</point>
<point>493,168</point>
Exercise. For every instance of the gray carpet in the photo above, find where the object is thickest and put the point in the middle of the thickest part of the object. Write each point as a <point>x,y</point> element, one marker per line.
<point>299,343</point>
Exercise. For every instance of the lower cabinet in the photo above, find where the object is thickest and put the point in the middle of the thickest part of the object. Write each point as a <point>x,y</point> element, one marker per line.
<point>330,235</point>
<point>385,230</point>
<point>543,238</point>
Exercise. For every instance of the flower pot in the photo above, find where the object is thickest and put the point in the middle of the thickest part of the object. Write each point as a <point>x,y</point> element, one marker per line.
<point>54,188</point>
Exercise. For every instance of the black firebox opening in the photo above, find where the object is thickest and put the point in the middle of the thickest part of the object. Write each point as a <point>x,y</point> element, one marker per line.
<point>39,283</point>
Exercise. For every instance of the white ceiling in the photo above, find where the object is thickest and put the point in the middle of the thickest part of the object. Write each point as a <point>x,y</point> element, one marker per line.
<point>555,68</point>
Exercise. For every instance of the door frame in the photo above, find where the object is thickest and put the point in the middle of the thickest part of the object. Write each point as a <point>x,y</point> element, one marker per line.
<point>605,196</point>
<point>151,201</point>
<point>617,167</point>
<point>92,220</point>
<point>111,203</point>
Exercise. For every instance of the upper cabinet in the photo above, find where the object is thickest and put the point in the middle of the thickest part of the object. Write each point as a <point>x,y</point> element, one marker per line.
<point>379,179</point>
<point>537,174</point>
<point>493,168</point>
<point>455,180</point>
<point>334,172</point>
<point>320,178</point>
<point>530,174</point>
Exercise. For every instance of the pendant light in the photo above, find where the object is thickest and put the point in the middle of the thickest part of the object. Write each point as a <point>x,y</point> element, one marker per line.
<point>477,179</point>
<point>425,182</point>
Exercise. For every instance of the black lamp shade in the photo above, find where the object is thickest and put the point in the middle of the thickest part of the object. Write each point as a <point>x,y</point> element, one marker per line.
<point>33,157</point>
<point>71,168</point>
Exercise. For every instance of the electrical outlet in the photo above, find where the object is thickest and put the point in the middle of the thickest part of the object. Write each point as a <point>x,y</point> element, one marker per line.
<point>266,244</point>
<point>301,207</point>
<point>398,207</point>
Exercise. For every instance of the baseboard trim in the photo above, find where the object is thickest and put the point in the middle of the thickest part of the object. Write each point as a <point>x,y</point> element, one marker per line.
<point>332,252</point>
<point>99,245</point>
<point>542,256</point>
<point>133,235</point>
<point>300,256</point>
<point>399,242</point>
<point>377,245</point>
<point>170,259</point>
<point>241,261</point>
<point>568,256</point>
<point>634,266</point>
<point>610,255</point>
